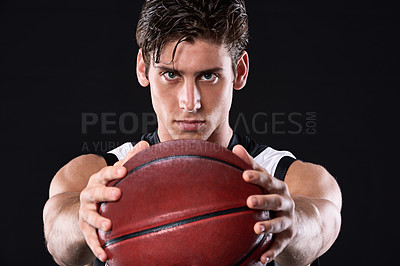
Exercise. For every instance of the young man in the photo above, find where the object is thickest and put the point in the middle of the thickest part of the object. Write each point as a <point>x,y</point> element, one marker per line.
<point>192,55</point>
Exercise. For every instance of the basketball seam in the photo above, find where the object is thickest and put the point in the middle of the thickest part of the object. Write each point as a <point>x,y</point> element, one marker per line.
<point>174,224</point>
<point>246,256</point>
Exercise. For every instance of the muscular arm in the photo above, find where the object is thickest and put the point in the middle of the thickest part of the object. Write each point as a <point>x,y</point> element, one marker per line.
<point>317,219</point>
<point>64,238</point>
<point>306,210</point>
<point>70,215</point>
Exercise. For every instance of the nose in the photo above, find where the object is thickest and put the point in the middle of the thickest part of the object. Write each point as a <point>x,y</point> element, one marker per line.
<point>189,97</point>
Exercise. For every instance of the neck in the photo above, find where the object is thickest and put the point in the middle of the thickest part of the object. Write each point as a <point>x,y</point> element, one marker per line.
<point>222,136</point>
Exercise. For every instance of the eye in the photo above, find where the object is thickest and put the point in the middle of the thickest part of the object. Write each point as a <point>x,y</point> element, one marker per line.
<point>169,75</point>
<point>209,77</point>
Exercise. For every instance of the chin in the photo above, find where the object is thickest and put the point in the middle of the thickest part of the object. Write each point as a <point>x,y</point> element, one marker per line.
<point>189,135</point>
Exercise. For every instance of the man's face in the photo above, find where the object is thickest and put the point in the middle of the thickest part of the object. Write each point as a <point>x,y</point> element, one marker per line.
<point>192,95</point>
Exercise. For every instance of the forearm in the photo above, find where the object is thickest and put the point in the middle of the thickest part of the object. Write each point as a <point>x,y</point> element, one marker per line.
<point>65,240</point>
<point>317,224</point>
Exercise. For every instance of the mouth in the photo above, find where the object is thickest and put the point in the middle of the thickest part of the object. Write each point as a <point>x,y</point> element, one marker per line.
<point>190,125</point>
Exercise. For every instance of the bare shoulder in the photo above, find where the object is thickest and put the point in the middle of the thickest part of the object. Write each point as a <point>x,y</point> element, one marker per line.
<point>74,176</point>
<point>312,180</point>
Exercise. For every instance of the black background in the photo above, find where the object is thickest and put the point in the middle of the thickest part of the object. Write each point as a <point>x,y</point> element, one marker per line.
<point>62,60</point>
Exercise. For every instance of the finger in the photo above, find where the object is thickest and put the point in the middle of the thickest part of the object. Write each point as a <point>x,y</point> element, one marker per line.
<point>107,174</point>
<point>140,146</point>
<point>271,202</point>
<point>240,151</point>
<point>279,243</point>
<point>94,219</point>
<point>263,179</point>
<point>97,194</point>
<point>274,226</point>
<point>92,241</point>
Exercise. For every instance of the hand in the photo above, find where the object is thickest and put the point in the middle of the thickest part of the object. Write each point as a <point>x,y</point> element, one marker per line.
<point>96,192</point>
<point>276,199</point>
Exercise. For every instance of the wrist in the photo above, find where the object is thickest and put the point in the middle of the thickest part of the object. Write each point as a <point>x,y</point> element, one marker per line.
<point>304,245</point>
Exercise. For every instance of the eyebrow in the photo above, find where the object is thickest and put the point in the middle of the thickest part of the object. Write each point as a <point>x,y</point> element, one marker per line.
<point>169,69</point>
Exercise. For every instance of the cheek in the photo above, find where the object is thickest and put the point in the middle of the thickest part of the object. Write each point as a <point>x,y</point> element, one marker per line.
<point>220,103</point>
<point>225,96</point>
<point>158,91</point>
<point>163,101</point>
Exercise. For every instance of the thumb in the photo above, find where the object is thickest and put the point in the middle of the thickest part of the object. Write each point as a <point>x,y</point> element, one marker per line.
<point>240,151</point>
<point>140,146</point>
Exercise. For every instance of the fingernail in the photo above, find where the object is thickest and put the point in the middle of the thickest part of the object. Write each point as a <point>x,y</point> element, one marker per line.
<point>262,228</point>
<point>101,258</point>
<point>265,261</point>
<point>104,225</point>
<point>250,175</point>
<point>254,201</point>
<point>120,171</point>
<point>115,193</point>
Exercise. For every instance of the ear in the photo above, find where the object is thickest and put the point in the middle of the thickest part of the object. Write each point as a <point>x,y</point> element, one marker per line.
<point>141,70</point>
<point>242,69</point>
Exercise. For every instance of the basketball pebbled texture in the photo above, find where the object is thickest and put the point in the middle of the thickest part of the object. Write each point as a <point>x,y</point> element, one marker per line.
<point>184,203</point>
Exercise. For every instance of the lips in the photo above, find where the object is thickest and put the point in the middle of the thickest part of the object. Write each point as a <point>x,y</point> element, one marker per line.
<point>189,125</point>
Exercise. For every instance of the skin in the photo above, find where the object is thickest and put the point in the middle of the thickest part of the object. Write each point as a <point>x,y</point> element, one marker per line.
<point>192,98</point>
<point>195,82</point>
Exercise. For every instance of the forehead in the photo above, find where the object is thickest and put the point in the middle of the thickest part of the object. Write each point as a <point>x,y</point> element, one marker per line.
<point>199,54</point>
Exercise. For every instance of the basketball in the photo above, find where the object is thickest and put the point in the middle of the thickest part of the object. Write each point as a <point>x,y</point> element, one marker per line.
<point>184,203</point>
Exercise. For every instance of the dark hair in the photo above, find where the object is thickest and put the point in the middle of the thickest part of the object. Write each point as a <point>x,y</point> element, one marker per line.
<point>223,22</point>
